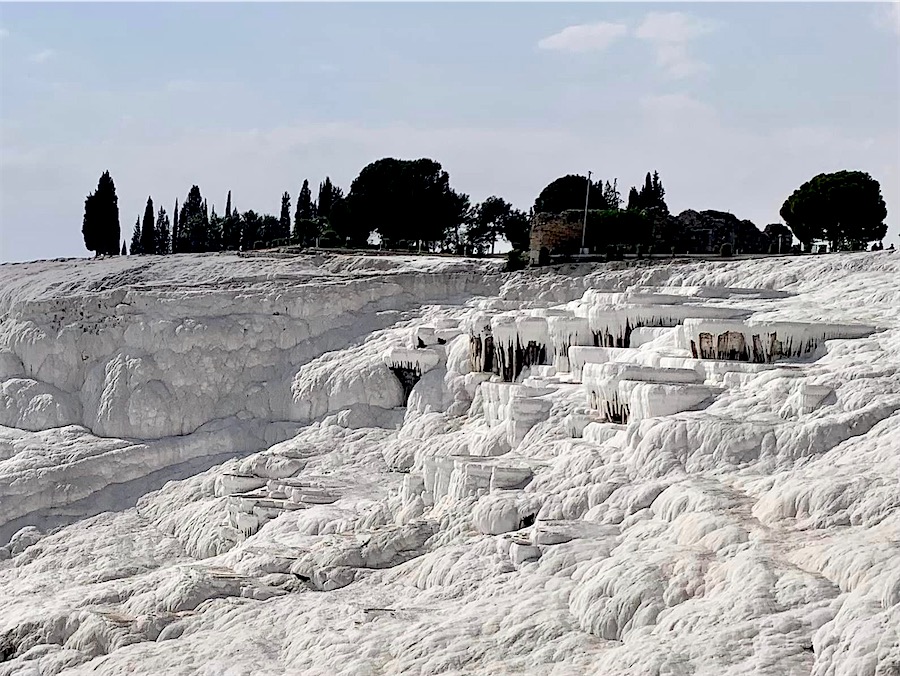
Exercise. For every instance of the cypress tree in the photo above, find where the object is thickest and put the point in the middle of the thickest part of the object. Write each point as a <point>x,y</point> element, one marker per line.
<point>148,229</point>
<point>176,232</point>
<point>634,200</point>
<point>162,232</point>
<point>192,226</point>
<point>214,232</point>
<point>228,206</point>
<point>100,226</point>
<point>124,250</point>
<point>136,240</point>
<point>284,222</point>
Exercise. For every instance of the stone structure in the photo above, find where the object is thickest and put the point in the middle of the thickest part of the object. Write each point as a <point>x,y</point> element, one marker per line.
<point>557,232</point>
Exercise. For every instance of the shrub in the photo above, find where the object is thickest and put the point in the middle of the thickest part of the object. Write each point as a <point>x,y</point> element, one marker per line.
<point>725,251</point>
<point>515,260</point>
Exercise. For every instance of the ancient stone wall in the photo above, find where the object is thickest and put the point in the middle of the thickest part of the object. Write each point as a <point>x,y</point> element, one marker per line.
<point>556,232</point>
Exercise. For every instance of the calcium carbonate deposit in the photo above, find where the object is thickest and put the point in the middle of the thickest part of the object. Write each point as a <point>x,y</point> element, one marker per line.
<point>222,465</point>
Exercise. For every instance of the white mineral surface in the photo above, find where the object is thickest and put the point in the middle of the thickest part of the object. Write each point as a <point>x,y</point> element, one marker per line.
<point>209,466</point>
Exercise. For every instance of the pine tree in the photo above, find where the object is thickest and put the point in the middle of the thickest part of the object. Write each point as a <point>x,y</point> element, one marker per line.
<point>176,231</point>
<point>136,238</point>
<point>124,250</point>
<point>228,206</point>
<point>148,230</point>
<point>100,226</point>
<point>162,232</point>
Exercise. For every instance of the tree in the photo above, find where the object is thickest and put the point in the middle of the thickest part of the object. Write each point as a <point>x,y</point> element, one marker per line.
<point>846,208</point>
<point>215,232</point>
<point>780,238</point>
<point>193,224</point>
<point>100,226</point>
<point>494,218</point>
<point>403,200</point>
<point>124,250</point>
<point>650,197</point>
<point>228,206</point>
<point>176,230</point>
<point>284,222</point>
<point>634,200</point>
<point>148,230</point>
<point>251,230</point>
<point>611,196</point>
<point>569,192</point>
<point>329,195</point>
<point>136,239</point>
<point>162,232</point>
<point>517,229</point>
<point>270,229</point>
<point>305,228</point>
<point>486,224</point>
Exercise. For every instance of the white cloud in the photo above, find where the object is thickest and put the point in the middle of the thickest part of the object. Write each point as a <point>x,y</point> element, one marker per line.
<point>887,17</point>
<point>670,33</point>
<point>42,56</point>
<point>589,37</point>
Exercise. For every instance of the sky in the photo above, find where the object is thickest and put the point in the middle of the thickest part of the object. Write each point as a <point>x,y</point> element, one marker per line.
<point>735,104</point>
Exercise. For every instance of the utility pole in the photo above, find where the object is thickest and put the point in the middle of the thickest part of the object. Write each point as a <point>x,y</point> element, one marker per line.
<point>587,198</point>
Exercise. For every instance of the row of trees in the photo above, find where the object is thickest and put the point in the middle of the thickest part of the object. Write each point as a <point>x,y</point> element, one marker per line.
<point>407,203</point>
<point>844,208</point>
<point>410,204</point>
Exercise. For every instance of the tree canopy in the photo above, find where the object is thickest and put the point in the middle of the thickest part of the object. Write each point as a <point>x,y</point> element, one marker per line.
<point>845,207</point>
<point>492,219</point>
<point>569,192</point>
<point>403,200</point>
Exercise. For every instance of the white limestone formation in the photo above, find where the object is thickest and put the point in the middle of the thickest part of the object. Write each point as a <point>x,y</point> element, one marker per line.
<point>761,341</point>
<point>208,465</point>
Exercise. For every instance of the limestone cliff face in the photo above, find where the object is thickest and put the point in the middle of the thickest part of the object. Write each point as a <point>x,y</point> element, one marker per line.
<point>131,357</point>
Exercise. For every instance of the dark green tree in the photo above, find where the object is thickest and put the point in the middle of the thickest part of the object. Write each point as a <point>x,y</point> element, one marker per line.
<point>634,200</point>
<point>284,222</point>
<point>148,229</point>
<point>100,226</point>
<point>231,227</point>
<point>136,239</point>
<point>780,238</point>
<point>251,230</point>
<point>271,227</point>
<point>163,245</point>
<point>215,232</point>
<point>495,218</point>
<point>306,208</point>
<point>846,208</point>
<point>404,200</point>
<point>193,223</point>
<point>650,197</point>
<point>124,250</point>
<point>329,196</point>
<point>176,231</point>
<point>569,192</point>
<point>517,229</point>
